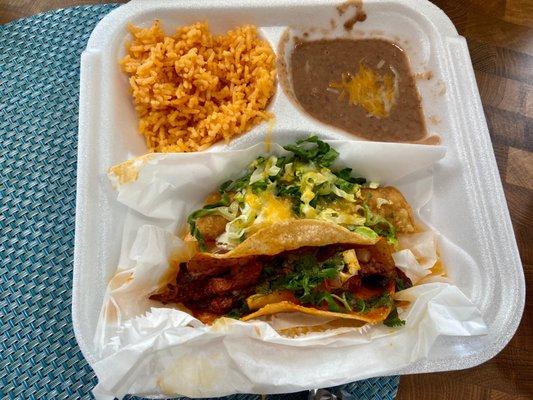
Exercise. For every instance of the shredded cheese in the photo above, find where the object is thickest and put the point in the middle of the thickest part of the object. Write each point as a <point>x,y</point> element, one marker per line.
<point>374,92</point>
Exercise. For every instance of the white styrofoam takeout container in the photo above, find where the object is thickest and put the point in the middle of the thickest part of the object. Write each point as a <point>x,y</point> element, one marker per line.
<point>468,203</point>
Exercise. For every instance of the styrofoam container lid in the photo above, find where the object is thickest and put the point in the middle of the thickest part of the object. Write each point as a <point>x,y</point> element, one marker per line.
<point>468,203</point>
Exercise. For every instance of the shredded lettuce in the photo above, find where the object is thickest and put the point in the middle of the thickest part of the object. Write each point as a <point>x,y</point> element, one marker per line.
<point>264,169</point>
<point>306,179</point>
<point>340,218</point>
<point>379,224</point>
<point>364,231</point>
<point>236,228</point>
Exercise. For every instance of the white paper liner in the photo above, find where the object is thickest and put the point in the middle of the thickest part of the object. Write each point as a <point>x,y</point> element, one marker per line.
<point>148,349</point>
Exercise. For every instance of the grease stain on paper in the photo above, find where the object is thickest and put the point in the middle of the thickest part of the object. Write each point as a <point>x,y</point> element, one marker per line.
<point>128,171</point>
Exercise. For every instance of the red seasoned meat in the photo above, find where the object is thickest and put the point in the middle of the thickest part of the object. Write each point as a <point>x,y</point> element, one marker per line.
<point>189,288</point>
<point>353,284</point>
<point>380,261</point>
<point>240,278</point>
<point>201,266</point>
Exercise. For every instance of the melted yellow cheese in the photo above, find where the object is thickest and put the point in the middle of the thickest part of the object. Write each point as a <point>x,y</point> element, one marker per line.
<point>268,208</point>
<point>253,201</point>
<point>275,209</point>
<point>374,92</point>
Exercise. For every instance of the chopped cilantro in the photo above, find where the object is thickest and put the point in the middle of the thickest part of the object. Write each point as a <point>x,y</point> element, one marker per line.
<point>239,311</point>
<point>393,320</point>
<point>380,301</point>
<point>288,191</point>
<point>342,298</point>
<point>233,186</point>
<point>400,285</point>
<point>344,185</point>
<point>259,186</point>
<point>282,161</point>
<point>363,306</point>
<point>223,188</point>
<point>346,174</point>
<point>321,153</point>
<point>337,262</point>
<point>328,298</point>
<point>291,192</point>
<point>306,276</point>
<point>358,305</point>
<point>346,181</point>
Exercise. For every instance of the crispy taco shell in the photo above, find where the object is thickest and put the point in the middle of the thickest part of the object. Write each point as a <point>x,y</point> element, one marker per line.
<point>334,324</point>
<point>278,238</point>
<point>373,316</point>
<point>395,209</point>
<point>291,235</point>
<point>281,302</point>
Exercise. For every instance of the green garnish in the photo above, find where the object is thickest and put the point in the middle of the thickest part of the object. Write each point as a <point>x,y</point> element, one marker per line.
<point>346,181</point>
<point>393,320</point>
<point>363,306</point>
<point>400,285</point>
<point>321,154</point>
<point>329,299</point>
<point>346,174</point>
<point>306,275</point>
<point>358,304</point>
<point>304,178</point>
<point>291,192</point>
<point>344,185</point>
<point>282,161</point>
<point>259,186</point>
<point>288,191</point>
<point>208,209</point>
<point>239,311</point>
<point>383,300</point>
<point>233,186</point>
<point>364,231</point>
<point>344,301</point>
<point>379,224</point>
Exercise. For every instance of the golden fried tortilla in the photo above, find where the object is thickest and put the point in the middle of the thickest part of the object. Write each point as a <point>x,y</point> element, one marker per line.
<point>389,203</point>
<point>211,226</point>
<point>373,316</point>
<point>291,235</point>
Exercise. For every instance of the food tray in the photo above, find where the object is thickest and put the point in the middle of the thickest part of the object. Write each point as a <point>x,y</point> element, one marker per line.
<point>468,204</point>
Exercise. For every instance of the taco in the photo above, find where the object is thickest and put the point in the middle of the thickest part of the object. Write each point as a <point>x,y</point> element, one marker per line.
<point>294,234</point>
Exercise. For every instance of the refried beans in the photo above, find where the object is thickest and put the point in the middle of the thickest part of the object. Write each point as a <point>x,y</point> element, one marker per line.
<point>363,86</point>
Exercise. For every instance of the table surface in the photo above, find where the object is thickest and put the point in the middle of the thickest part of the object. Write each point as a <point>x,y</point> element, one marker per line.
<point>500,39</point>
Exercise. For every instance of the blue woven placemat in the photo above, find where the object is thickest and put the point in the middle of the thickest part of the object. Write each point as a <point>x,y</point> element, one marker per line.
<point>39,72</point>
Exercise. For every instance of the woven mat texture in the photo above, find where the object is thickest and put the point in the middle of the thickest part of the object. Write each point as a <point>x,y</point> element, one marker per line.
<point>39,73</point>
